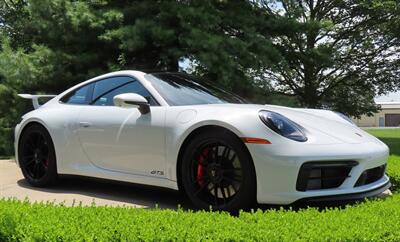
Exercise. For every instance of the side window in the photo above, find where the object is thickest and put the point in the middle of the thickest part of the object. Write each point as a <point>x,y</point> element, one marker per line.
<point>78,96</point>
<point>103,86</point>
<point>106,90</point>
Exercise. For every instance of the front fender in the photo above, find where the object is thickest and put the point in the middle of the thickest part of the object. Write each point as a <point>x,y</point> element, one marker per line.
<point>19,128</point>
<point>245,124</point>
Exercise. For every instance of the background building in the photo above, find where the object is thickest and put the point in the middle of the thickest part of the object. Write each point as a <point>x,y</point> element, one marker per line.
<point>388,116</point>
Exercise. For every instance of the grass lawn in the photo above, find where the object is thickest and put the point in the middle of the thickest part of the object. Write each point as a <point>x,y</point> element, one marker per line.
<point>371,220</point>
<point>392,138</point>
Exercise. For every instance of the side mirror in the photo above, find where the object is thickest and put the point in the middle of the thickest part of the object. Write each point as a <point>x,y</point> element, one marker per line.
<point>132,100</point>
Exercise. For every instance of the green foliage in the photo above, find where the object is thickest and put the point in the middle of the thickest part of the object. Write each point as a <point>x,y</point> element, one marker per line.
<point>338,56</point>
<point>6,146</point>
<point>392,138</point>
<point>9,114</point>
<point>218,36</point>
<point>22,221</point>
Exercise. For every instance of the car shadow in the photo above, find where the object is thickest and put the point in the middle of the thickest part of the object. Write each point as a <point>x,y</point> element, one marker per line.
<point>154,197</point>
<point>135,194</point>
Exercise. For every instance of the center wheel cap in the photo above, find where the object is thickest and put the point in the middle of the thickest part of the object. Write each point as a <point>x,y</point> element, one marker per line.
<point>36,156</point>
<point>215,174</point>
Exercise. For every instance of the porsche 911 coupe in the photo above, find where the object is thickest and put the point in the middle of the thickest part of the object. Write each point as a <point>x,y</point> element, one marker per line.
<point>174,131</point>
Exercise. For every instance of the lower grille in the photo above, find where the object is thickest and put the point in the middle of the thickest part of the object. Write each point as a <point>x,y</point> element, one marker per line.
<point>323,175</point>
<point>371,175</point>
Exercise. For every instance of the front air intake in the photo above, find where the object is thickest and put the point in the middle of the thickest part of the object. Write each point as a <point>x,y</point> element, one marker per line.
<point>323,175</point>
<point>371,175</point>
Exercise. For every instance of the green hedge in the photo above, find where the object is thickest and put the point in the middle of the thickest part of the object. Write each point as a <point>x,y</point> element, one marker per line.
<point>393,171</point>
<point>22,221</point>
<point>392,138</point>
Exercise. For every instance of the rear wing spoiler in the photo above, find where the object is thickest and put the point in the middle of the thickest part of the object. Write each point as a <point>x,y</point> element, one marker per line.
<point>35,98</point>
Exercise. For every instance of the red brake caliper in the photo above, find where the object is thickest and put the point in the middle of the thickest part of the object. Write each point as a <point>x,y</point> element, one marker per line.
<point>200,167</point>
<point>46,162</point>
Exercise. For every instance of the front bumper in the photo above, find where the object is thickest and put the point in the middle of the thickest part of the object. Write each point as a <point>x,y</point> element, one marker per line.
<point>347,197</point>
<point>277,169</point>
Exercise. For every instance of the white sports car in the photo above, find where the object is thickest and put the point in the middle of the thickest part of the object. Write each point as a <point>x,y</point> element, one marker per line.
<point>171,130</point>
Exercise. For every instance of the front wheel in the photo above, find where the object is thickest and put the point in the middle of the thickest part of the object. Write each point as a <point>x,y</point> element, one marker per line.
<point>217,172</point>
<point>37,157</point>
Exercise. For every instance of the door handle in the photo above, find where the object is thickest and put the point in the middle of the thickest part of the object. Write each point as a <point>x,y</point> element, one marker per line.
<point>84,124</point>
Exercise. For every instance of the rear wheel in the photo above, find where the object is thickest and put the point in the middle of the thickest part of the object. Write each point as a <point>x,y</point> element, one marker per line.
<point>217,172</point>
<point>37,157</point>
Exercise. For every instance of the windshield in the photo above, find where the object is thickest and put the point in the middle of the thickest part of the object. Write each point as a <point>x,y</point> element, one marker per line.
<point>181,89</point>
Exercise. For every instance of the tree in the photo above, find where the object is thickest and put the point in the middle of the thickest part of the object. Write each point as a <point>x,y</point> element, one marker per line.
<point>84,38</point>
<point>391,9</point>
<point>338,57</point>
<point>219,36</point>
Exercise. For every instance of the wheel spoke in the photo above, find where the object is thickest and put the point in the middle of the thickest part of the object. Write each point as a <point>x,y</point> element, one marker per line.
<point>28,156</point>
<point>28,162</point>
<point>43,148</point>
<point>228,190</point>
<point>211,188</point>
<point>39,169</point>
<point>225,153</point>
<point>216,195</point>
<point>42,159</point>
<point>35,170</point>
<point>37,140</point>
<point>231,170</point>
<point>231,179</point>
<point>216,158</point>
<point>223,192</point>
<point>234,188</point>
<point>30,145</point>
<point>43,168</point>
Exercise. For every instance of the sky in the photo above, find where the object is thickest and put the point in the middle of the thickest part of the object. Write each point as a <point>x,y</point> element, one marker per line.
<point>394,96</point>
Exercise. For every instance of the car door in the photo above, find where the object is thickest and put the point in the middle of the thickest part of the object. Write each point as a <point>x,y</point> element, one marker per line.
<point>122,139</point>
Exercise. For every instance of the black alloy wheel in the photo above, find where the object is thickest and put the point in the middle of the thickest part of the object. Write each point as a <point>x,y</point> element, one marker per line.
<point>217,172</point>
<point>36,156</point>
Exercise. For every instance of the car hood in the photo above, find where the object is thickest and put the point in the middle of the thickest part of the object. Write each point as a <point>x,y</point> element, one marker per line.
<point>316,121</point>
<point>324,121</point>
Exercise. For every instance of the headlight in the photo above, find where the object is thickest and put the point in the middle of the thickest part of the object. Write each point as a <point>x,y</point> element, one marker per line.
<point>282,125</point>
<point>345,118</point>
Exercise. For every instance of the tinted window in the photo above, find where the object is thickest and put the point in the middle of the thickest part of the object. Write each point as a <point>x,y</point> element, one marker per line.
<point>116,87</point>
<point>106,85</point>
<point>181,89</point>
<point>78,96</point>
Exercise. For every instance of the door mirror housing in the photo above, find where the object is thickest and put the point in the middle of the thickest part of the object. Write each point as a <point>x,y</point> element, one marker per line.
<point>132,100</point>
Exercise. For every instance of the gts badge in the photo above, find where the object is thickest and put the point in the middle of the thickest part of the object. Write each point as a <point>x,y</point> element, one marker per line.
<point>158,173</point>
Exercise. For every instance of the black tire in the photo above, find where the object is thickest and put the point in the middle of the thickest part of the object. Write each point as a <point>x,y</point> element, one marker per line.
<point>211,175</point>
<point>36,156</point>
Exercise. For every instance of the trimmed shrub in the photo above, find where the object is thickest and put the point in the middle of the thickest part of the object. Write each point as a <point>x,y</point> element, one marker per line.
<point>22,221</point>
